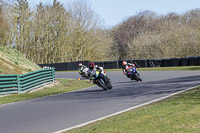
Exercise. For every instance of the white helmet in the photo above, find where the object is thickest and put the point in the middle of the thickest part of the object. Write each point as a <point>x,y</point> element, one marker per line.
<point>80,64</point>
<point>124,63</point>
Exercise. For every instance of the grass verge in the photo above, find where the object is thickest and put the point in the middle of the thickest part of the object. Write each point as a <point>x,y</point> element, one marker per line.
<point>178,114</point>
<point>62,86</point>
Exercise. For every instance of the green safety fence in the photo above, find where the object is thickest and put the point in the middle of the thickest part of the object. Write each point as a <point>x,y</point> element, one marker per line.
<point>23,83</point>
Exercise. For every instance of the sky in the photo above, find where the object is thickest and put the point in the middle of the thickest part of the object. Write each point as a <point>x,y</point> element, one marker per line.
<point>113,12</point>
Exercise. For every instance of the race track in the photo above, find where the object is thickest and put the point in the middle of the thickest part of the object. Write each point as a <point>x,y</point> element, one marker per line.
<point>54,113</point>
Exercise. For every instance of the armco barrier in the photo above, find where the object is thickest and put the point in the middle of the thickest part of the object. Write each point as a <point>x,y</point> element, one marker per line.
<point>8,84</point>
<point>26,82</point>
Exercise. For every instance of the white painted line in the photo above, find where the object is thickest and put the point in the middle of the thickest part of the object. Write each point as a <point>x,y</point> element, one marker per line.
<point>117,113</point>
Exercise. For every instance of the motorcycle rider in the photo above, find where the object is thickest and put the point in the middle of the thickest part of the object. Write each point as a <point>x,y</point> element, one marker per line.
<point>83,70</point>
<point>126,66</point>
<point>92,69</point>
<point>91,72</point>
<point>100,69</point>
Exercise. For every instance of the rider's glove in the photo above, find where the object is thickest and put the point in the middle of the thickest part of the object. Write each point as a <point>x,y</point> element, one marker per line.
<point>92,78</point>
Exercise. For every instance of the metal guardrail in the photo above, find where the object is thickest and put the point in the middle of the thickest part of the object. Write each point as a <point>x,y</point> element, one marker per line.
<point>23,83</point>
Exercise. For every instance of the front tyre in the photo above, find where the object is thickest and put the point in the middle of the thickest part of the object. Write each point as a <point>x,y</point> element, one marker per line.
<point>138,77</point>
<point>102,84</point>
<point>109,85</point>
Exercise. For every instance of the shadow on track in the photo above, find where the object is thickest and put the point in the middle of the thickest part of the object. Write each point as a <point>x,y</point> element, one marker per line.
<point>131,81</point>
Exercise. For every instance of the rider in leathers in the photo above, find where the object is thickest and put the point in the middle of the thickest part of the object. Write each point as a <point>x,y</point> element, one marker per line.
<point>91,72</point>
<point>92,69</point>
<point>126,66</point>
<point>83,70</point>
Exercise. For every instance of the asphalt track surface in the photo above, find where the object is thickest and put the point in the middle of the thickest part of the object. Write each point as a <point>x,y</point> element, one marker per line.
<point>54,113</point>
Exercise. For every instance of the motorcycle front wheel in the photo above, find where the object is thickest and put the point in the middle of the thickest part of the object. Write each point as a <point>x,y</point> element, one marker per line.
<point>138,77</point>
<point>102,84</point>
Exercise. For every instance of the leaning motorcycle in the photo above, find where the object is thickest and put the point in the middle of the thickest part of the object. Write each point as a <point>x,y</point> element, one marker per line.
<point>101,80</point>
<point>133,75</point>
<point>84,73</point>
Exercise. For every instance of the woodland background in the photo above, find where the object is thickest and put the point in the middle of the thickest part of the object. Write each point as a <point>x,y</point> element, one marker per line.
<point>54,33</point>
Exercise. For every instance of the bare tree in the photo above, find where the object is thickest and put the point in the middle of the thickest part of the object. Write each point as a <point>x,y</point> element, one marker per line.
<point>3,28</point>
<point>131,29</point>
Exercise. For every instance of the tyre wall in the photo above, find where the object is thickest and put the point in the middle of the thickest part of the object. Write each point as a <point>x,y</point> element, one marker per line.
<point>172,62</point>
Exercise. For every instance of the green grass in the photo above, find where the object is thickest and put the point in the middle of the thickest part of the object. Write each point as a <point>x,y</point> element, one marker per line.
<point>16,57</point>
<point>62,85</point>
<point>13,62</point>
<point>178,114</point>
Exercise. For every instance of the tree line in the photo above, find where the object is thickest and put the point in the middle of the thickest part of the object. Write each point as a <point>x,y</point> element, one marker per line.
<point>54,33</point>
<point>149,36</point>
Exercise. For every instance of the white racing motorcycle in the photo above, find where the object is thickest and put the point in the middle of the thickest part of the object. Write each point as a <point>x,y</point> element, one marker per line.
<point>84,72</point>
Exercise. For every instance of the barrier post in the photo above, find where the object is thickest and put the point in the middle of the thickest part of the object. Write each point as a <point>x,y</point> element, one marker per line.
<point>18,84</point>
<point>53,74</point>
